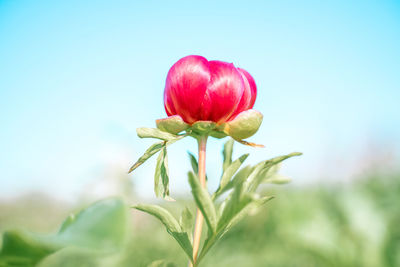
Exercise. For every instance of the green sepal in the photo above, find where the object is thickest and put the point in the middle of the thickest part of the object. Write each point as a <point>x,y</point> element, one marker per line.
<point>203,127</point>
<point>244,125</point>
<point>218,134</point>
<point>173,124</point>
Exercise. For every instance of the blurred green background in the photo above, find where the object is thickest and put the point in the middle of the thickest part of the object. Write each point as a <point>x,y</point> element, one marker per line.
<point>356,224</point>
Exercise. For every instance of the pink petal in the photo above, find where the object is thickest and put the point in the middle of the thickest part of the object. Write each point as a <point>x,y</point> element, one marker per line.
<point>168,105</point>
<point>186,86</point>
<point>246,97</point>
<point>253,88</point>
<point>223,92</point>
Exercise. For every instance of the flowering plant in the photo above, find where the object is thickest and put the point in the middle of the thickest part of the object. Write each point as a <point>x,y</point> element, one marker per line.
<point>202,98</point>
<point>209,98</point>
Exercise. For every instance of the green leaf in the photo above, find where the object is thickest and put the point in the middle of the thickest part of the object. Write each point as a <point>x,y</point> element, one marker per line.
<point>277,179</point>
<point>204,202</point>
<point>161,176</point>
<point>238,179</point>
<point>186,222</point>
<point>155,133</point>
<point>238,205</point>
<point>153,149</point>
<point>194,163</point>
<point>252,206</point>
<point>76,256</point>
<point>171,224</point>
<point>233,205</point>
<point>67,222</point>
<point>229,172</point>
<point>227,153</point>
<point>162,214</point>
<point>256,177</point>
<point>21,248</point>
<point>101,227</point>
<point>240,176</point>
<point>271,171</point>
<point>208,243</point>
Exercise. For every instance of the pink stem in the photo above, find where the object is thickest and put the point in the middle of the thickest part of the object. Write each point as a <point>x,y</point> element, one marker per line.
<point>199,217</point>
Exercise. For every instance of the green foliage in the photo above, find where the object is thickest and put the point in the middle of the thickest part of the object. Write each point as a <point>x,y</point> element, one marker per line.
<point>100,228</point>
<point>153,149</point>
<point>228,173</point>
<point>242,200</point>
<point>155,133</point>
<point>203,202</point>
<point>186,221</point>
<point>193,162</point>
<point>161,175</point>
<point>96,235</point>
<point>227,154</point>
<point>179,232</point>
<point>352,224</point>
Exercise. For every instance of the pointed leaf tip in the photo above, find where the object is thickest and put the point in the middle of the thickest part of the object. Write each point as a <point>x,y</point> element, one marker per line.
<point>153,149</point>
<point>243,142</point>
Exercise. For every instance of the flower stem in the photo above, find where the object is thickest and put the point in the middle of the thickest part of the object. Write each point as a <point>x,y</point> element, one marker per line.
<point>202,141</point>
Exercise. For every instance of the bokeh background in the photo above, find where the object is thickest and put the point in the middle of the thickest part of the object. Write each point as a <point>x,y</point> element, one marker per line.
<point>78,77</point>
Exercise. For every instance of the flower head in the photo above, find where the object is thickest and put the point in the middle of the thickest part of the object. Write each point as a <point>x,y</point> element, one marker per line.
<point>200,90</point>
<point>210,96</point>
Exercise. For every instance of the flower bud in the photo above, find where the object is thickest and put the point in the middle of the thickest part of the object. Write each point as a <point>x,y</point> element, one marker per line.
<point>200,90</point>
<point>210,97</point>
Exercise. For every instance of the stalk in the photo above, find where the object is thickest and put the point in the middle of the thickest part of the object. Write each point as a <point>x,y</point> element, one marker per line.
<point>202,142</point>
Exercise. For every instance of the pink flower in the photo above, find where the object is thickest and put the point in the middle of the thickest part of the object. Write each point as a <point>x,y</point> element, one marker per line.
<point>200,90</point>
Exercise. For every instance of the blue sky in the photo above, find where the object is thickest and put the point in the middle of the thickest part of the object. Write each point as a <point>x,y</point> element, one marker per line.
<point>78,77</point>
